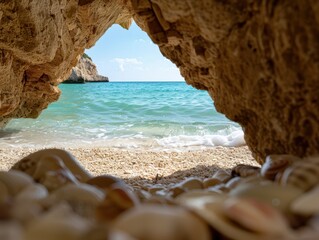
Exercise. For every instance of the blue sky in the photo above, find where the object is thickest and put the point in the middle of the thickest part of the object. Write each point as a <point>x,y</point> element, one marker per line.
<point>130,55</point>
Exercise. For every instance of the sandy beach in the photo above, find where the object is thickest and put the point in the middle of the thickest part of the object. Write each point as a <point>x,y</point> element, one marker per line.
<point>144,167</point>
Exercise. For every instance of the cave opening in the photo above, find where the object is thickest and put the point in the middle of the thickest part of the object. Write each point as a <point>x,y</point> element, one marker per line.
<point>256,58</point>
<point>146,103</point>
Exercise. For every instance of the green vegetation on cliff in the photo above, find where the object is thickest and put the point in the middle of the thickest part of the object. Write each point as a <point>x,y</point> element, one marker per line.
<point>86,56</point>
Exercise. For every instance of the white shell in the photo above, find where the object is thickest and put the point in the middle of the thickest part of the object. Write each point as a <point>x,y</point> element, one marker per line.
<point>234,182</point>
<point>211,208</point>
<point>310,231</point>
<point>117,235</point>
<point>191,184</point>
<point>275,164</point>
<point>25,211</point>
<point>15,181</point>
<point>82,192</point>
<point>33,192</point>
<point>188,184</point>
<point>28,163</point>
<point>83,198</point>
<point>303,174</point>
<point>27,203</point>
<point>307,203</point>
<point>155,222</point>
<point>275,195</point>
<point>256,216</point>
<point>244,170</point>
<point>222,175</point>
<point>210,182</point>
<point>10,231</point>
<point>60,223</point>
<point>52,173</point>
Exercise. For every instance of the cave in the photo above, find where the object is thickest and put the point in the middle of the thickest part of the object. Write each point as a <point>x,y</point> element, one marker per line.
<point>257,59</point>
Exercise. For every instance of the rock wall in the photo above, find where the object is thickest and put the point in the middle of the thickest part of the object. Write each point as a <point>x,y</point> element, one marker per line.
<point>85,71</point>
<point>40,41</point>
<point>257,59</point>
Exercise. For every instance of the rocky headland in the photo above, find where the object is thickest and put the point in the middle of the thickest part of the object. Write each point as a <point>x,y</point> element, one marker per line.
<point>85,71</point>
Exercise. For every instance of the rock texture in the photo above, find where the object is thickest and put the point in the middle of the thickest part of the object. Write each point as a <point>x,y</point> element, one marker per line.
<point>40,41</point>
<point>257,59</point>
<point>85,71</point>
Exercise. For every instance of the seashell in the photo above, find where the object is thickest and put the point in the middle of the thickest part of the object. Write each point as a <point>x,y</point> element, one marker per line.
<point>101,232</point>
<point>104,181</point>
<point>302,174</point>
<point>142,195</point>
<point>306,233</point>
<point>118,235</point>
<point>5,211</point>
<point>52,173</point>
<point>257,179</point>
<point>154,190</point>
<point>222,175</point>
<point>191,198</point>
<point>5,203</point>
<point>27,203</point>
<point>307,203</point>
<point>59,223</point>
<point>175,191</point>
<point>4,193</point>
<point>210,182</point>
<point>234,182</point>
<point>220,188</point>
<point>162,222</point>
<point>275,195</point>
<point>255,216</point>
<point>83,198</point>
<point>25,212</point>
<point>32,192</point>
<point>309,231</point>
<point>243,170</point>
<point>123,197</point>
<point>191,184</point>
<point>10,231</point>
<point>162,200</point>
<point>28,163</point>
<point>275,164</point>
<point>97,232</point>
<point>117,200</point>
<point>212,209</point>
<point>15,181</point>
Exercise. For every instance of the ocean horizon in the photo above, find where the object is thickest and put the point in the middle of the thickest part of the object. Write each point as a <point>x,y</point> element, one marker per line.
<point>126,114</point>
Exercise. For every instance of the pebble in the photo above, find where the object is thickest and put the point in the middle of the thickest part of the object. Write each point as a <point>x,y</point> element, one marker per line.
<point>275,164</point>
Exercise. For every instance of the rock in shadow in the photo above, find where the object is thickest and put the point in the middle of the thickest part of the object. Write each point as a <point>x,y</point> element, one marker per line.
<point>7,133</point>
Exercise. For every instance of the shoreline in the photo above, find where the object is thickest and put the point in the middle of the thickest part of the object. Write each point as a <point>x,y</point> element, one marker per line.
<point>144,167</point>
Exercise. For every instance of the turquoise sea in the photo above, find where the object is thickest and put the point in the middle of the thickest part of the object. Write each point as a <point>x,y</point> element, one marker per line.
<point>127,115</point>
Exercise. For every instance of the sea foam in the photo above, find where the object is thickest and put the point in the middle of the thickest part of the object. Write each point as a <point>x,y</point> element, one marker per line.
<point>234,139</point>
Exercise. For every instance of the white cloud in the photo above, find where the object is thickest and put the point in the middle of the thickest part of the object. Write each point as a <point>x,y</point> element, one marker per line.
<point>141,40</point>
<point>123,62</point>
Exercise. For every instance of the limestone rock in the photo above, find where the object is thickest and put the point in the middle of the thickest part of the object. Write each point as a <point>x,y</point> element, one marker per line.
<point>40,41</point>
<point>85,71</point>
<point>257,59</point>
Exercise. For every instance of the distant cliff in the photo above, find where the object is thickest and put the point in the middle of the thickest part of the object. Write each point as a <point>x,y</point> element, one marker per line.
<point>85,71</point>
